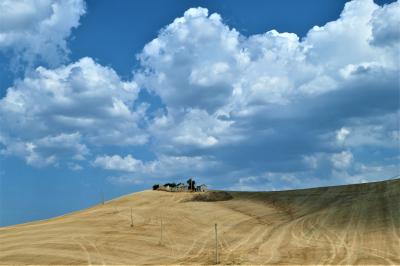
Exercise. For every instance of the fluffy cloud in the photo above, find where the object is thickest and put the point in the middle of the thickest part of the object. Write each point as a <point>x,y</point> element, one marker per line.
<point>342,134</point>
<point>275,102</point>
<point>69,108</point>
<point>342,160</point>
<point>38,29</point>
<point>385,25</point>
<point>199,62</point>
<point>163,167</point>
<point>192,62</point>
<point>44,151</point>
<point>272,108</point>
<point>267,182</point>
<point>116,162</point>
<point>195,129</point>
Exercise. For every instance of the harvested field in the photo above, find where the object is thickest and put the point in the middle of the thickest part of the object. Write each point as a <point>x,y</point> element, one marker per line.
<point>353,224</point>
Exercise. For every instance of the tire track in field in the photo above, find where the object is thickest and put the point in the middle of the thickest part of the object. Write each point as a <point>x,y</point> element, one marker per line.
<point>94,246</point>
<point>87,254</point>
<point>275,237</point>
<point>354,249</point>
<point>204,238</point>
<point>340,243</point>
<point>197,238</point>
<point>230,251</point>
<point>391,216</point>
<point>333,247</point>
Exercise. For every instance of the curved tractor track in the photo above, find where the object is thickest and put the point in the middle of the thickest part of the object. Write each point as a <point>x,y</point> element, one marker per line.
<point>353,224</point>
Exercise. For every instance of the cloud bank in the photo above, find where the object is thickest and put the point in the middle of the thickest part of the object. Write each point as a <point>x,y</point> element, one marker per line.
<point>268,111</point>
<point>262,104</point>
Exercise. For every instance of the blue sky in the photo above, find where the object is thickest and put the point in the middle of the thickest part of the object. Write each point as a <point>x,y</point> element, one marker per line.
<point>100,97</point>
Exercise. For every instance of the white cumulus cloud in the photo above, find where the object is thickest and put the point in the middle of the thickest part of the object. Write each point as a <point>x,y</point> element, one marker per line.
<point>342,160</point>
<point>35,30</point>
<point>385,25</point>
<point>82,104</point>
<point>232,106</point>
<point>342,134</point>
<point>162,167</point>
<point>254,102</point>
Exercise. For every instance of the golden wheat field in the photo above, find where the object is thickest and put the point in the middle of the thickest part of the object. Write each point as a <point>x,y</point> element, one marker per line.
<point>353,224</point>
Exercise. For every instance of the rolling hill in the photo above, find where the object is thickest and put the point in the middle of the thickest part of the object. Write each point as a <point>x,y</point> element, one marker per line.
<point>352,224</point>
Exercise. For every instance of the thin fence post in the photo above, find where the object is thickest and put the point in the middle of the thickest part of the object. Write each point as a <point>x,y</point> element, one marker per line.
<point>216,244</point>
<point>131,218</point>
<point>161,231</point>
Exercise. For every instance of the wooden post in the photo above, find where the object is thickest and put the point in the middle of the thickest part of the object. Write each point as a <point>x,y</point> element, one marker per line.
<point>161,231</point>
<point>131,218</point>
<point>216,244</point>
